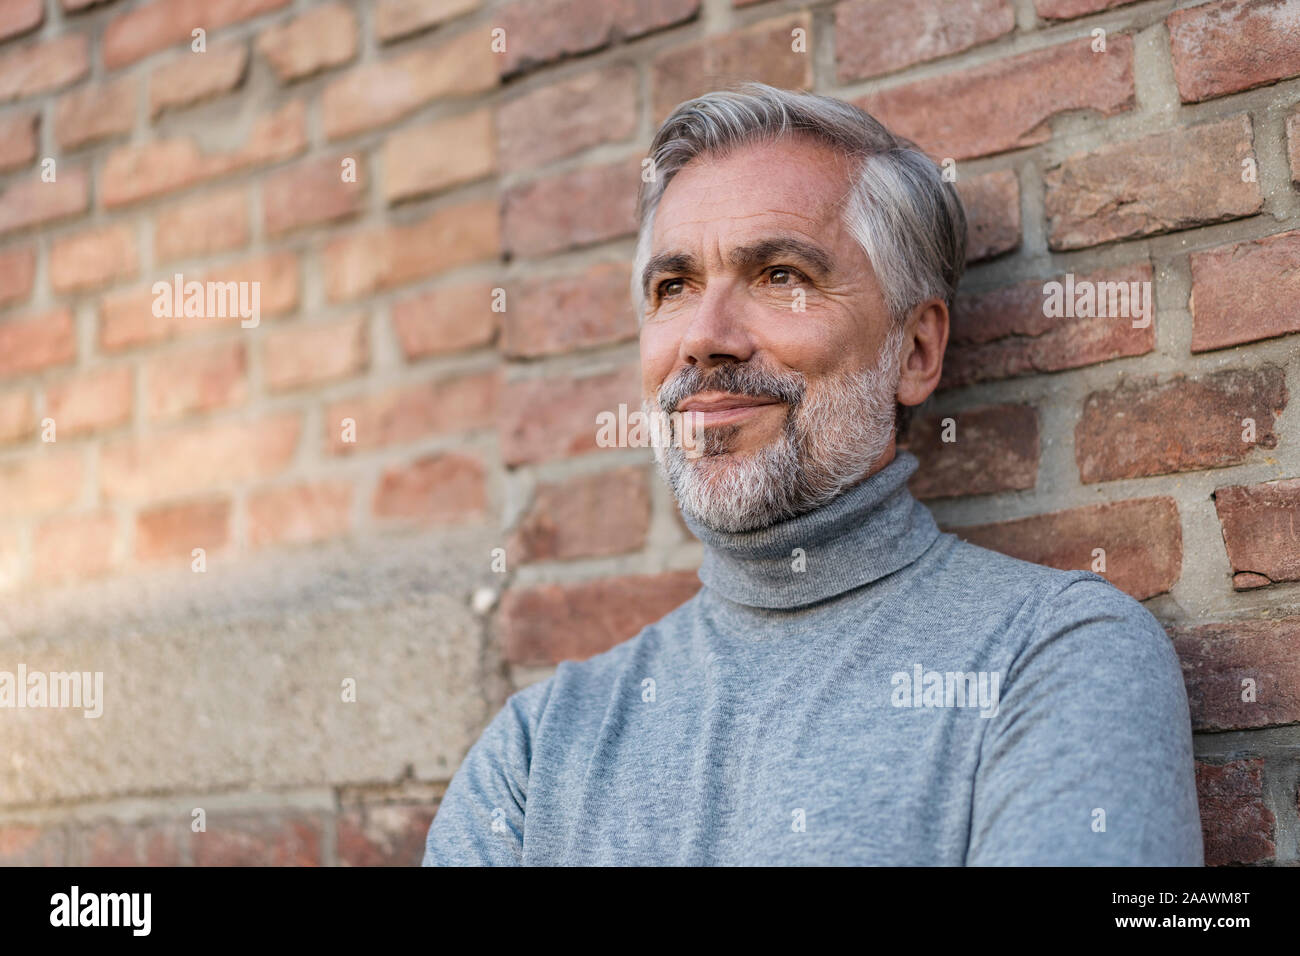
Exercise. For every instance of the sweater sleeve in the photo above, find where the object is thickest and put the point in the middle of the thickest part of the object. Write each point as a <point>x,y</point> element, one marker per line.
<point>1089,759</point>
<point>480,821</point>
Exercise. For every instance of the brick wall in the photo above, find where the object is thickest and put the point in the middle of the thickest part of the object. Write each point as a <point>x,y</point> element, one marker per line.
<point>379,170</point>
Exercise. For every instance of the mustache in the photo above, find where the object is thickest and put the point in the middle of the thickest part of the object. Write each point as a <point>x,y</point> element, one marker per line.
<point>738,378</point>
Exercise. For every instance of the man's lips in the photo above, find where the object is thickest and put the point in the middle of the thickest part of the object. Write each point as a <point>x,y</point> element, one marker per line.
<point>719,408</point>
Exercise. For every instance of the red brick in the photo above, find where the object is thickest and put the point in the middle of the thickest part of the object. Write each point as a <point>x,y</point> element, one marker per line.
<point>91,259</point>
<point>1236,823</point>
<point>1142,538</point>
<point>298,514</point>
<point>543,31</point>
<point>414,411</point>
<point>172,532</point>
<point>872,38</point>
<point>32,202</point>
<point>18,139</point>
<point>578,208</point>
<point>17,273</point>
<point>192,78</point>
<point>553,315</point>
<point>1143,428</point>
<point>133,844</point>
<point>378,93</point>
<point>323,37</point>
<point>1007,104</point>
<point>40,484</point>
<point>427,159</point>
<point>1261,528</point>
<point>1233,45</point>
<point>1006,333</point>
<point>549,418</point>
<point>155,26</point>
<point>135,172</point>
<point>92,401</point>
<point>1293,144</point>
<point>992,205</point>
<point>17,416</point>
<point>36,342</point>
<point>217,222</point>
<point>73,548</point>
<point>1172,180</point>
<point>197,459</point>
<point>22,845</point>
<point>126,318</point>
<point>398,18</point>
<point>1245,292</point>
<point>197,380</point>
<point>1069,9</point>
<point>1217,658</point>
<point>93,113</point>
<point>313,353</point>
<point>386,835</point>
<point>586,516</point>
<point>555,622</point>
<point>20,16</point>
<point>44,66</point>
<point>762,52</point>
<point>277,839</point>
<point>995,449</point>
<point>442,488</point>
<point>311,193</point>
<point>380,258</point>
<point>446,319</point>
<point>567,117</point>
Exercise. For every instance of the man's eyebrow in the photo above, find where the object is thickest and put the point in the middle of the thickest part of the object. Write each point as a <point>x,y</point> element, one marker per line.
<point>764,251</point>
<point>666,262</point>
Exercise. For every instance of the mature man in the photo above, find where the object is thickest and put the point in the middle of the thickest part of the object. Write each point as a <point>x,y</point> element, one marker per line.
<point>850,686</point>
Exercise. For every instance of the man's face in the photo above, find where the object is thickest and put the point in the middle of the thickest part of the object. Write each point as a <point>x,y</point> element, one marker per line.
<point>764,328</point>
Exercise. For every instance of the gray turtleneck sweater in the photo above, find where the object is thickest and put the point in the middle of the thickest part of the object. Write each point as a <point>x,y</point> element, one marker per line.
<point>850,686</point>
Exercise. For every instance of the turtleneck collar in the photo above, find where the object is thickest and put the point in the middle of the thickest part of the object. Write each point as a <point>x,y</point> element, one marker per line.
<point>870,530</point>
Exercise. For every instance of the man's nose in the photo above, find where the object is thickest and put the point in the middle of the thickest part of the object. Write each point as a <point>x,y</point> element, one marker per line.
<point>718,331</point>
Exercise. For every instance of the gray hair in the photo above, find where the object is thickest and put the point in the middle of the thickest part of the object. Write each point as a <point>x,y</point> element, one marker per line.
<point>907,218</point>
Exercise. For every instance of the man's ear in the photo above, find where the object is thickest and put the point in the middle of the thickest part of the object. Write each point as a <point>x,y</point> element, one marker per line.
<point>925,336</point>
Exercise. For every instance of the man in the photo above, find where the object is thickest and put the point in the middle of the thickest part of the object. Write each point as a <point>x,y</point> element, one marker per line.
<point>850,686</point>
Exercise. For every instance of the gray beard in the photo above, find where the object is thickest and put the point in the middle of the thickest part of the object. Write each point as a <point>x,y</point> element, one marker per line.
<point>832,436</point>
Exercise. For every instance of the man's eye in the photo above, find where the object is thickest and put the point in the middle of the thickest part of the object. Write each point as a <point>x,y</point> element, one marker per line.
<point>784,275</point>
<point>670,287</point>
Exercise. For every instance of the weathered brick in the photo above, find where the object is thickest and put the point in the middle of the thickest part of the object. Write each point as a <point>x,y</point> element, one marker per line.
<point>586,516</point>
<point>426,159</point>
<point>40,484</point>
<point>321,38</point>
<point>192,78</point>
<point>91,401</point>
<point>309,354</point>
<point>91,259</point>
<point>32,202</point>
<point>134,844</point>
<point>44,66</point>
<point>277,839</point>
<point>18,140</point>
<point>1261,528</point>
<point>17,273</point>
<point>379,93</point>
<point>93,113</point>
<point>1142,540</point>
<point>196,380</point>
<point>20,16</point>
<point>135,172</point>
<point>1007,332</point>
<point>992,205</point>
<point>872,38</point>
<point>73,547</point>
<point>550,623</point>
<point>543,31</point>
<point>36,342</point>
<point>17,416</point>
<point>1172,180</point>
<point>553,315</point>
<point>217,222</point>
<point>1007,104</point>
<point>1233,45</point>
<point>300,513</point>
<point>1143,427</point>
<point>995,448</point>
<point>1293,144</point>
<point>445,319</point>
<point>567,117</point>
<point>764,52</point>
<point>383,835</point>
<point>198,459</point>
<point>442,488</point>
<point>374,259</point>
<point>155,26</point>
<point>1245,292</point>
<point>172,532</point>
<point>1069,9</point>
<point>22,845</point>
<point>548,418</point>
<point>578,208</point>
<point>1241,674</point>
<point>1236,823</point>
<point>413,411</point>
<point>312,193</point>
